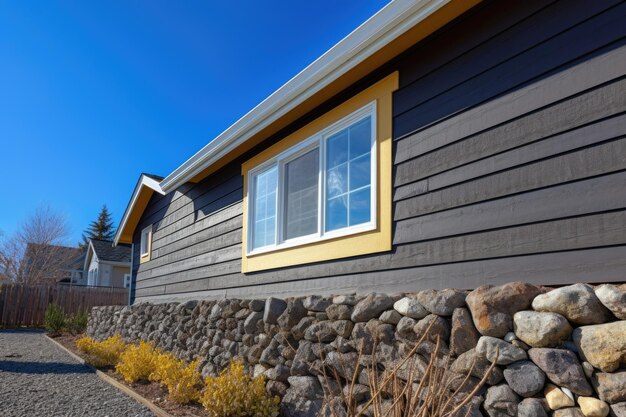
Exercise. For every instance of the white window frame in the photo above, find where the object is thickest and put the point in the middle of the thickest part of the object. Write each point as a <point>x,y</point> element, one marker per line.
<point>146,233</point>
<point>318,141</point>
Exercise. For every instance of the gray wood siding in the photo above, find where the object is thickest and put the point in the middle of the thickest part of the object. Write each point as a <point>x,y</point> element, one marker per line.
<point>509,164</point>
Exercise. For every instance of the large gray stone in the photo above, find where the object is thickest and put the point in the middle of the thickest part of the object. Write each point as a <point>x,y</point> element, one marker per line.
<point>435,326</point>
<point>441,302</point>
<point>618,410</point>
<point>503,353</point>
<point>292,315</point>
<point>464,335</point>
<point>257,305</point>
<point>531,407</point>
<point>411,308</point>
<point>478,364</point>
<point>569,412</point>
<point>321,331</point>
<point>492,307</point>
<point>501,401</point>
<point>525,378</point>
<point>404,328</point>
<point>562,368</point>
<point>578,303</point>
<point>274,307</point>
<point>339,312</point>
<point>602,345</point>
<point>371,307</point>
<point>316,303</point>
<point>610,387</point>
<point>251,324</point>
<point>390,317</point>
<point>538,329</point>
<point>614,298</point>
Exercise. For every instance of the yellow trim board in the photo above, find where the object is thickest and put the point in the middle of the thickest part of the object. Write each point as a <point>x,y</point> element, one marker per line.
<point>378,240</point>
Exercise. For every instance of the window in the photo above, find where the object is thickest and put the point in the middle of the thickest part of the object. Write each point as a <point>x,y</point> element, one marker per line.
<point>321,188</point>
<point>146,243</point>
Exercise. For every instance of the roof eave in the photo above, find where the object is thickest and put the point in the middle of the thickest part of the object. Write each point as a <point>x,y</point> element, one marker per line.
<point>389,23</point>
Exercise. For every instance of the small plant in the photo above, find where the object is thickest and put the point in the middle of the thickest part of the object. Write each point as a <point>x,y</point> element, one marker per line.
<point>181,379</point>
<point>54,319</point>
<point>77,322</point>
<point>104,353</point>
<point>235,394</point>
<point>137,362</point>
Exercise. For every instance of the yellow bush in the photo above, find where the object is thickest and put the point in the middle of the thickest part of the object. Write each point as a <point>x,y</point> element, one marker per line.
<point>137,362</point>
<point>235,394</point>
<point>104,353</point>
<point>181,379</point>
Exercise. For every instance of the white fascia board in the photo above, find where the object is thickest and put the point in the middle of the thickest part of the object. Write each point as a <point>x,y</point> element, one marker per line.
<point>144,181</point>
<point>385,26</point>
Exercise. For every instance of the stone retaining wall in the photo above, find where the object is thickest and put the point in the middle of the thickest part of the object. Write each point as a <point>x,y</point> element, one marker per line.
<point>562,352</point>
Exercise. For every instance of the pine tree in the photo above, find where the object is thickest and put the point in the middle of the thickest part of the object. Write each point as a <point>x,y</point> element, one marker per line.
<point>101,228</point>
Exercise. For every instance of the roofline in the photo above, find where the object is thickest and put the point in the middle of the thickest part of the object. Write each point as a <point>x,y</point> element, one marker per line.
<point>144,181</point>
<point>389,23</point>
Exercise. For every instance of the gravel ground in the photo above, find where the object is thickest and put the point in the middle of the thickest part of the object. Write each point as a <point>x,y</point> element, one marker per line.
<point>39,379</point>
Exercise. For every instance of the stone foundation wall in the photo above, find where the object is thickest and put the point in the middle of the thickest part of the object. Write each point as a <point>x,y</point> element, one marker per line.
<point>562,352</point>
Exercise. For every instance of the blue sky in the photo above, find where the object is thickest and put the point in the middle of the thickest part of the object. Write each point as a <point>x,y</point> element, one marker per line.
<point>94,93</point>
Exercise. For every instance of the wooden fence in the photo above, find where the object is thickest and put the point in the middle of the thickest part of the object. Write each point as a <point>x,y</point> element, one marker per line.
<point>25,305</point>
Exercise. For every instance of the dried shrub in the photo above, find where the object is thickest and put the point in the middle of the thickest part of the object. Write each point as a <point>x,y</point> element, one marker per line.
<point>137,362</point>
<point>101,354</point>
<point>407,389</point>
<point>235,394</point>
<point>181,379</point>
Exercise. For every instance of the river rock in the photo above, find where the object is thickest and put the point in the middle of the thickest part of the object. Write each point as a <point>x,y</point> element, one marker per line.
<point>274,307</point>
<point>618,410</point>
<point>441,302</point>
<point>410,307</point>
<point>614,298</point>
<point>569,412</point>
<point>602,345</point>
<point>390,317</point>
<point>464,335</point>
<point>487,347</point>
<point>292,315</point>
<point>578,303</point>
<point>439,327</point>
<point>501,401</point>
<point>463,364</point>
<point>525,378</point>
<point>610,387</point>
<point>556,398</point>
<point>538,329</point>
<point>371,307</point>
<point>561,367</point>
<point>339,312</point>
<point>593,407</point>
<point>531,407</point>
<point>316,303</point>
<point>492,307</point>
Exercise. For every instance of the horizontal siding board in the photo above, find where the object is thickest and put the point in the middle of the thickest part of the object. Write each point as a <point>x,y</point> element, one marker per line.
<point>554,54</point>
<point>199,226</point>
<point>525,36</point>
<point>224,268</point>
<point>596,104</point>
<point>592,265</point>
<point>598,70</point>
<point>473,30</point>
<point>584,163</point>
<point>571,199</point>
<point>584,136</point>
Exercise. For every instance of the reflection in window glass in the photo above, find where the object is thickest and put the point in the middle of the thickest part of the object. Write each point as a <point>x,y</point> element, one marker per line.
<point>264,231</point>
<point>348,176</point>
<point>301,191</point>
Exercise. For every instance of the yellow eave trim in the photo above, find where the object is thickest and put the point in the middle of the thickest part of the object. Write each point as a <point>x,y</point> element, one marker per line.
<point>377,240</point>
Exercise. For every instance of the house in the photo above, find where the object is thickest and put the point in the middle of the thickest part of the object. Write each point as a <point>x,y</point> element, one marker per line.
<point>46,263</point>
<point>107,265</point>
<point>440,144</point>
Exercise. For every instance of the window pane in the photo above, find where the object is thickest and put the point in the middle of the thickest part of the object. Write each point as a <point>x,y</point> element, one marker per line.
<point>360,138</point>
<point>264,217</point>
<point>337,181</point>
<point>337,149</point>
<point>360,206</point>
<point>348,181</point>
<point>337,213</point>
<point>301,190</point>
<point>360,175</point>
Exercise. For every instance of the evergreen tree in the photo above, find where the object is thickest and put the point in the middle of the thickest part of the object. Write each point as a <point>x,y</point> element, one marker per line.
<point>101,228</point>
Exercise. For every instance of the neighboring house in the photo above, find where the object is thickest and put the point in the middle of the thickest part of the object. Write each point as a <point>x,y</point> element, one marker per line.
<point>107,265</point>
<point>44,263</point>
<point>440,144</point>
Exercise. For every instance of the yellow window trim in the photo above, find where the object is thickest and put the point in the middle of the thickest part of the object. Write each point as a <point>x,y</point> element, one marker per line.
<point>377,240</point>
<point>146,257</point>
